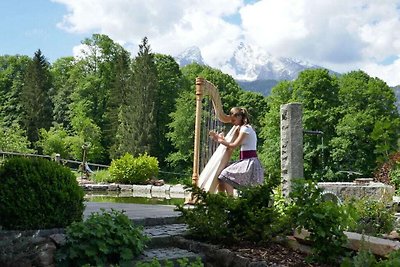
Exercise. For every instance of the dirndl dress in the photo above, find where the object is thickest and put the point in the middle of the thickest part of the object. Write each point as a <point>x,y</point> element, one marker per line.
<point>245,172</point>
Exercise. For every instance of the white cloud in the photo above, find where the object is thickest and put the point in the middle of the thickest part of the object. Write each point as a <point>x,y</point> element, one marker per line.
<point>342,34</point>
<point>387,73</point>
<point>171,26</point>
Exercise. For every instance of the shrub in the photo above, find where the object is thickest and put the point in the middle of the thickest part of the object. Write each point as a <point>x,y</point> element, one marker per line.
<point>130,170</point>
<point>325,220</point>
<point>382,174</point>
<point>371,217</point>
<point>37,194</point>
<point>103,238</point>
<point>102,176</point>
<point>222,218</point>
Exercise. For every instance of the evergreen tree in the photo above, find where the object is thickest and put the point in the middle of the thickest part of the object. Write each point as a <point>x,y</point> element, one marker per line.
<point>120,110</point>
<point>145,101</point>
<point>35,97</point>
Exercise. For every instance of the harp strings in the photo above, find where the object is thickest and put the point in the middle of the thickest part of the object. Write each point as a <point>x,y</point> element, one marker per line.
<point>210,122</point>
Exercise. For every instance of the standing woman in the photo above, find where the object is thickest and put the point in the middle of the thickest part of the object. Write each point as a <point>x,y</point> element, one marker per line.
<point>248,170</point>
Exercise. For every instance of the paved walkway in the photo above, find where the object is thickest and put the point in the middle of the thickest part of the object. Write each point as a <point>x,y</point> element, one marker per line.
<point>139,213</point>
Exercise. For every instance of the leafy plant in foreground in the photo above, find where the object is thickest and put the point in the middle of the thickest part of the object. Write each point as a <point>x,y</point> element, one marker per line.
<point>222,218</point>
<point>325,221</point>
<point>104,238</point>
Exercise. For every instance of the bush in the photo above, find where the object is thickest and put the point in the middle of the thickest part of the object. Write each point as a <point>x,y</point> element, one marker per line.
<point>104,238</point>
<point>382,174</point>
<point>222,218</point>
<point>102,176</point>
<point>38,194</point>
<point>130,170</point>
<point>371,217</point>
<point>325,220</point>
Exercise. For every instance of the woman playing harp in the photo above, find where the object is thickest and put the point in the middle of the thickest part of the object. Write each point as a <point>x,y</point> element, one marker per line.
<point>248,170</point>
<point>208,179</point>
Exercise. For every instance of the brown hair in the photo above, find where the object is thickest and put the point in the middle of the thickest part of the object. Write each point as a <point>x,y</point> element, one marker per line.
<point>239,111</point>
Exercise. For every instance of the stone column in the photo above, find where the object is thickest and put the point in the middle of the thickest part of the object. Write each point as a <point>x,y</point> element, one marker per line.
<point>291,145</point>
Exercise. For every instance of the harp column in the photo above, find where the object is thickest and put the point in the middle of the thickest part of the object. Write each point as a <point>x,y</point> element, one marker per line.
<point>197,128</point>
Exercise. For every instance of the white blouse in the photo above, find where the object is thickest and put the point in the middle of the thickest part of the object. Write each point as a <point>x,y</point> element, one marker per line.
<point>250,142</point>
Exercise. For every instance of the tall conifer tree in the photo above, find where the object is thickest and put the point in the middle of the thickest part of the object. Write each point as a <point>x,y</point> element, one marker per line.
<point>145,101</point>
<point>119,109</point>
<point>35,97</point>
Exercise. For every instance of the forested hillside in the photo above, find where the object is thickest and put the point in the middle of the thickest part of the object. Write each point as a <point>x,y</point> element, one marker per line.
<point>120,103</point>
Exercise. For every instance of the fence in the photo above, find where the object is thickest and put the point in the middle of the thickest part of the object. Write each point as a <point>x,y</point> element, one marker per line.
<point>73,164</point>
<point>77,165</point>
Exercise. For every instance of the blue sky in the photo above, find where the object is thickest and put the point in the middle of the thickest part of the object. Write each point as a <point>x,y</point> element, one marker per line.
<point>341,35</point>
<point>30,25</point>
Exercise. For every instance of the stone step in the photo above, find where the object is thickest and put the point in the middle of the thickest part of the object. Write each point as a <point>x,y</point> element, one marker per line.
<point>163,235</point>
<point>156,221</point>
<point>171,254</point>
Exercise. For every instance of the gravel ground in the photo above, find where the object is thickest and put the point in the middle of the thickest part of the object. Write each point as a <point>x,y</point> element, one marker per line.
<point>275,254</point>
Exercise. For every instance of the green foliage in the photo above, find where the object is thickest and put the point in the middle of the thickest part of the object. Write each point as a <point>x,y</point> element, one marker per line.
<point>35,99</point>
<point>62,73</point>
<point>325,221</point>
<point>181,132</point>
<point>371,217</point>
<point>102,176</point>
<point>365,258</point>
<point>367,130</point>
<point>170,86</point>
<point>145,90</point>
<point>222,218</point>
<point>11,84</point>
<point>38,194</point>
<point>13,139</point>
<point>86,132</point>
<point>270,132</point>
<point>133,170</point>
<point>394,175</point>
<point>355,112</point>
<point>54,141</point>
<point>184,262</point>
<point>389,171</point>
<point>103,238</point>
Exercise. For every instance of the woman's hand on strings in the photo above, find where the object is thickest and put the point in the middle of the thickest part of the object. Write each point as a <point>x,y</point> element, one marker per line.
<point>218,137</point>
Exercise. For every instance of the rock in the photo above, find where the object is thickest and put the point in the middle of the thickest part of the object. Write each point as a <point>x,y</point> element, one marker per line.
<point>58,239</point>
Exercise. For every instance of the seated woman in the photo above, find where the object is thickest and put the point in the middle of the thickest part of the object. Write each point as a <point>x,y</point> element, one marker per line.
<point>248,170</point>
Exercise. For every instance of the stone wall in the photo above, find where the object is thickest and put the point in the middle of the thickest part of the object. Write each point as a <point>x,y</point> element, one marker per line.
<point>30,248</point>
<point>371,190</point>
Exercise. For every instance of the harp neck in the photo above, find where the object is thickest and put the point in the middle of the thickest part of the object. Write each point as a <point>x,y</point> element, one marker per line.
<point>204,87</point>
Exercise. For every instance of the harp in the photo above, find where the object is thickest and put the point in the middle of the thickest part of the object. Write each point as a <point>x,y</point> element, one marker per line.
<point>215,163</point>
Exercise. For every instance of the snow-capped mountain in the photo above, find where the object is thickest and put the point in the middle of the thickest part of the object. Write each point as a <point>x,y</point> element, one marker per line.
<point>190,55</point>
<point>249,63</point>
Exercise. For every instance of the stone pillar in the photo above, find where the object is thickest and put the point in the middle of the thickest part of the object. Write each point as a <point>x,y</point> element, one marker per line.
<point>291,145</point>
<point>57,158</point>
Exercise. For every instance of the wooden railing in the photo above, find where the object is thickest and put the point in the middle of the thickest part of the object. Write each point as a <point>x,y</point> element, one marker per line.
<point>73,164</point>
